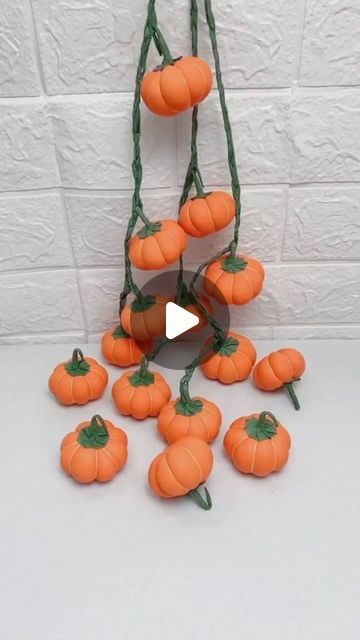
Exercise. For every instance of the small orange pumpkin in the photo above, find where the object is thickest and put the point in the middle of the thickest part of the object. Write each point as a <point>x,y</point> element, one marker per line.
<point>173,88</point>
<point>157,245</point>
<point>231,361</point>
<point>78,380</point>
<point>146,318</point>
<point>119,348</point>
<point>280,369</point>
<point>234,279</point>
<point>181,468</point>
<point>195,417</point>
<point>187,301</point>
<point>96,450</point>
<point>141,395</point>
<point>206,214</point>
<point>257,444</point>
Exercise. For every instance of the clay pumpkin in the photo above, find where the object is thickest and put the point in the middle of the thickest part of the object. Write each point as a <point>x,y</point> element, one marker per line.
<point>96,450</point>
<point>196,417</point>
<point>78,380</point>
<point>173,88</point>
<point>234,279</point>
<point>119,348</point>
<point>157,245</point>
<point>188,303</point>
<point>206,214</point>
<point>257,444</point>
<point>280,369</point>
<point>141,395</point>
<point>181,468</point>
<point>231,361</point>
<point>146,318</point>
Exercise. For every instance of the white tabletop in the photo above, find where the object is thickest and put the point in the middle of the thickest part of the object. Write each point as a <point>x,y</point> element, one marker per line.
<point>275,559</point>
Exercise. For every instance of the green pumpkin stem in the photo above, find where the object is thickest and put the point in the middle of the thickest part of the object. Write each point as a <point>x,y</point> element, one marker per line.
<point>203,503</point>
<point>198,186</point>
<point>96,435</point>
<point>290,389</point>
<point>77,366</point>
<point>77,356</point>
<point>262,428</point>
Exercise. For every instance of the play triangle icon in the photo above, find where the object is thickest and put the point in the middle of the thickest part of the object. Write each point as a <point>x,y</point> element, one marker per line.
<point>178,320</point>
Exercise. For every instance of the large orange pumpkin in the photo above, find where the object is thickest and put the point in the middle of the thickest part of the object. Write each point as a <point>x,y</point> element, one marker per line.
<point>173,88</point>
<point>146,318</point>
<point>230,361</point>
<point>78,380</point>
<point>96,450</point>
<point>280,369</point>
<point>141,395</point>
<point>234,279</point>
<point>181,468</point>
<point>206,214</point>
<point>257,444</point>
<point>157,245</point>
<point>196,417</point>
<point>119,348</point>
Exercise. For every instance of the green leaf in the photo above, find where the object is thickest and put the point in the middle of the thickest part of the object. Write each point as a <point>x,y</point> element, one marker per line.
<point>189,407</point>
<point>149,230</point>
<point>142,380</point>
<point>95,436</point>
<point>140,305</point>
<point>75,369</point>
<point>260,429</point>
<point>228,347</point>
<point>119,333</point>
<point>233,264</point>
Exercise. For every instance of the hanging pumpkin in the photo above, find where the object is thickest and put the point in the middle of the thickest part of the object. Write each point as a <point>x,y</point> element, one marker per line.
<point>96,450</point>
<point>234,279</point>
<point>188,302</point>
<point>206,214</point>
<point>181,468</point>
<point>141,395</point>
<point>157,245</point>
<point>173,88</point>
<point>231,361</point>
<point>196,417</point>
<point>78,380</point>
<point>146,318</point>
<point>280,369</point>
<point>257,444</point>
<point>119,348</point>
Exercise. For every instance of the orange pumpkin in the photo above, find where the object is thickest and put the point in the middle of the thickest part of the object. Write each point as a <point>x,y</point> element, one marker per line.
<point>230,361</point>
<point>280,369</point>
<point>173,88</point>
<point>257,444</point>
<point>188,303</point>
<point>96,450</point>
<point>157,245</point>
<point>181,468</point>
<point>141,395</point>
<point>146,318</point>
<point>119,348</point>
<point>206,214</point>
<point>196,417</point>
<point>78,380</point>
<point>234,279</point>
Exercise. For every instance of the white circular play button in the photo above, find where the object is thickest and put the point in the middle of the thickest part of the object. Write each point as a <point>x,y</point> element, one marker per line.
<point>178,320</point>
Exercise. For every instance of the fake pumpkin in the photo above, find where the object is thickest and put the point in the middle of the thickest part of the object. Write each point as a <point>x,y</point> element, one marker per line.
<point>234,279</point>
<point>96,450</point>
<point>280,369</point>
<point>141,395</point>
<point>78,380</point>
<point>188,303</point>
<point>157,245</point>
<point>206,214</point>
<point>231,361</point>
<point>196,417</point>
<point>146,318</point>
<point>181,468</point>
<point>173,88</point>
<point>119,348</point>
<point>257,444</point>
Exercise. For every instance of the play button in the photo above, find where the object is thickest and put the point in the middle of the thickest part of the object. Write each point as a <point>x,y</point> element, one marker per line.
<point>178,320</point>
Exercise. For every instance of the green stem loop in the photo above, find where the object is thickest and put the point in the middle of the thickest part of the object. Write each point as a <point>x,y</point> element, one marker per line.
<point>206,503</point>
<point>290,389</point>
<point>96,435</point>
<point>77,356</point>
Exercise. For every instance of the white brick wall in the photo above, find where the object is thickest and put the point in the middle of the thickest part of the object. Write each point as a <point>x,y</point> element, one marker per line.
<point>67,69</point>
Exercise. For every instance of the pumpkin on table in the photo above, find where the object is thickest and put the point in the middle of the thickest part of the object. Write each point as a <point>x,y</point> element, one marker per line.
<point>280,369</point>
<point>234,279</point>
<point>172,88</point>
<point>96,450</point>
<point>257,444</point>
<point>196,417</point>
<point>206,214</point>
<point>141,394</point>
<point>121,349</point>
<point>230,360</point>
<point>157,245</point>
<point>181,468</point>
<point>145,318</point>
<point>78,380</point>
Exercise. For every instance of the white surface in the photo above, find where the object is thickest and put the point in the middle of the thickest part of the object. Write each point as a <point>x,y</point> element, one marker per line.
<point>178,320</point>
<point>276,558</point>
